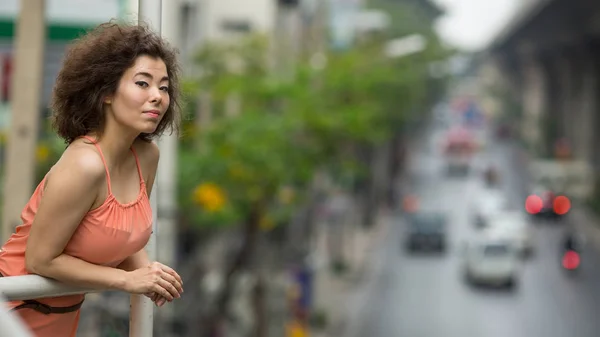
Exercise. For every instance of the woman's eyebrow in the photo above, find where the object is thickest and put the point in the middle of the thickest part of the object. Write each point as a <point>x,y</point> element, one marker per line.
<point>145,74</point>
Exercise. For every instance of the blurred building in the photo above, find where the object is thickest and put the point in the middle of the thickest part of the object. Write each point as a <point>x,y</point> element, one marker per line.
<point>66,20</point>
<point>548,59</point>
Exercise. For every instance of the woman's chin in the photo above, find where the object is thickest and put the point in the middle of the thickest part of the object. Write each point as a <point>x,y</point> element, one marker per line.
<point>148,129</point>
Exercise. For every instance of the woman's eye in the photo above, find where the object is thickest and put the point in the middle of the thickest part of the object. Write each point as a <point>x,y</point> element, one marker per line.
<point>142,84</point>
<point>164,88</point>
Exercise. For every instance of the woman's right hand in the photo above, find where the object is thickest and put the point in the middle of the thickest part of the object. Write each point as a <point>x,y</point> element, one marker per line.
<point>155,278</point>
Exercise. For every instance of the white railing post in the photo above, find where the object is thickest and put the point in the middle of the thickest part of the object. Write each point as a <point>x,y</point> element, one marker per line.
<point>11,324</point>
<point>141,317</point>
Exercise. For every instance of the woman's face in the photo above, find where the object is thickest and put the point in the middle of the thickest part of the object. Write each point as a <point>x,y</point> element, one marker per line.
<point>142,97</point>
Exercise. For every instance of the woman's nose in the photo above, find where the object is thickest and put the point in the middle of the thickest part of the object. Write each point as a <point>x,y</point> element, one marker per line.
<point>155,96</point>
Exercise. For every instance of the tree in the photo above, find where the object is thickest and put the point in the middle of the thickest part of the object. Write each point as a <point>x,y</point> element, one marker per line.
<point>255,169</point>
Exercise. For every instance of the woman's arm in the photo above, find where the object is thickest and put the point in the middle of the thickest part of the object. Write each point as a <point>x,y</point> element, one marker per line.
<point>70,192</point>
<point>135,261</point>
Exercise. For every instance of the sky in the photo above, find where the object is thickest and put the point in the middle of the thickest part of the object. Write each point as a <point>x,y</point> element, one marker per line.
<point>473,24</point>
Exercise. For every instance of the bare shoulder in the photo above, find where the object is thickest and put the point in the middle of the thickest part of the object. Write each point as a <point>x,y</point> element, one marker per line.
<point>82,163</point>
<point>147,151</point>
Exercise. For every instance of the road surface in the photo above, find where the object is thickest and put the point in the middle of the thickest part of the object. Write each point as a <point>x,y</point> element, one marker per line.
<point>426,296</point>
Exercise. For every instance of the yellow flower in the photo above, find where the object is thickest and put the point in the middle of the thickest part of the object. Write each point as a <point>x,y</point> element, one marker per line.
<point>210,197</point>
<point>296,329</point>
<point>42,153</point>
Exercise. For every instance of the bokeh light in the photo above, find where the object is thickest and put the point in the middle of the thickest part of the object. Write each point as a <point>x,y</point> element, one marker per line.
<point>533,204</point>
<point>561,205</point>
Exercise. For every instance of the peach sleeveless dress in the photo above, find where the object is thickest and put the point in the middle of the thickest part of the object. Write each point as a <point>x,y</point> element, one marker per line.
<point>107,235</point>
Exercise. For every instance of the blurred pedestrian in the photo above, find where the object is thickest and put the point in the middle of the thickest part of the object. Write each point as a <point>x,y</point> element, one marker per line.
<point>89,219</point>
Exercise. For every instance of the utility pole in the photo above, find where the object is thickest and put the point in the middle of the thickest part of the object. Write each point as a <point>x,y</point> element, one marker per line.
<point>287,29</point>
<point>25,112</point>
<point>141,319</point>
<point>167,167</point>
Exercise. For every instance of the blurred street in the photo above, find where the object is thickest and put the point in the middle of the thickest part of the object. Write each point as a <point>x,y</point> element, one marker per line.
<point>426,295</point>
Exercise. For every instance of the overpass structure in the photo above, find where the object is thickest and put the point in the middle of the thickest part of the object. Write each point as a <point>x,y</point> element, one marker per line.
<point>548,58</point>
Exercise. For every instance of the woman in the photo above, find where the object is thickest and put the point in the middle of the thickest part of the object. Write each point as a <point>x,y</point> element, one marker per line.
<point>89,219</point>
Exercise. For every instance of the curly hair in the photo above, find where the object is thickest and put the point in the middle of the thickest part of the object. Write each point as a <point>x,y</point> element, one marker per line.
<point>92,69</point>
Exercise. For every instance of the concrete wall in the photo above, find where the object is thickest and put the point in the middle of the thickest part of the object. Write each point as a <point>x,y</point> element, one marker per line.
<point>224,19</point>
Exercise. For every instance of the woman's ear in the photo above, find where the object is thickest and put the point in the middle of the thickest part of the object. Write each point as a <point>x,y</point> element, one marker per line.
<point>108,100</point>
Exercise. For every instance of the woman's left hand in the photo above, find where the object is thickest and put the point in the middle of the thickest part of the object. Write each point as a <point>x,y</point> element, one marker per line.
<point>158,300</point>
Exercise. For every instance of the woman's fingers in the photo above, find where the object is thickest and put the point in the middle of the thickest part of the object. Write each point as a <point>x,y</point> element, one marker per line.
<point>168,286</point>
<point>161,291</point>
<point>173,273</point>
<point>160,302</point>
<point>172,280</point>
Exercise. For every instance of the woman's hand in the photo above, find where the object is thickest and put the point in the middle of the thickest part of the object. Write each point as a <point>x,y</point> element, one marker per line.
<point>155,278</point>
<point>158,300</point>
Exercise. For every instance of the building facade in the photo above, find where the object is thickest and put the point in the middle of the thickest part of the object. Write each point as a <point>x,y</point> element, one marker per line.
<point>66,20</point>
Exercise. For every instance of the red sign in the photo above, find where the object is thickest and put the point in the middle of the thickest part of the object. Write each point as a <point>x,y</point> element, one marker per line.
<point>5,77</point>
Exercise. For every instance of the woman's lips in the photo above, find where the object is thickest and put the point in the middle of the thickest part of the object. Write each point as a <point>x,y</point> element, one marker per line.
<point>152,114</point>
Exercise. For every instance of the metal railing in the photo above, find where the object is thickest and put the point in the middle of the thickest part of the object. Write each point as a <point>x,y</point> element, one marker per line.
<point>28,287</point>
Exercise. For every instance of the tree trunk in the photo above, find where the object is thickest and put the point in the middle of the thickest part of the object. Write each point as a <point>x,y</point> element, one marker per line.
<point>251,231</point>
<point>260,306</point>
<point>369,193</point>
<point>396,166</point>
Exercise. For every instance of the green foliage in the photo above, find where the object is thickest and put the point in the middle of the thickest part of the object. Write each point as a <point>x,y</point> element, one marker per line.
<point>287,130</point>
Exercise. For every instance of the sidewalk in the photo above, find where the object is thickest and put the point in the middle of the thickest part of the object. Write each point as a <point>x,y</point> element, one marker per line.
<point>345,298</point>
<point>339,296</point>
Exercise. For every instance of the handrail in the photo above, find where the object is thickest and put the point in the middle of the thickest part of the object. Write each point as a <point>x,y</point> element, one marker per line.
<point>11,324</point>
<point>29,287</point>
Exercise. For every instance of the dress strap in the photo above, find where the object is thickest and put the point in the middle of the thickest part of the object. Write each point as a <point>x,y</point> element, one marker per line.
<point>103,161</point>
<point>137,163</point>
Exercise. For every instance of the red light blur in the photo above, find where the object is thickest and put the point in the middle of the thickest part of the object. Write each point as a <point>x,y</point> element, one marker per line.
<point>533,204</point>
<point>410,204</point>
<point>571,260</point>
<point>561,205</point>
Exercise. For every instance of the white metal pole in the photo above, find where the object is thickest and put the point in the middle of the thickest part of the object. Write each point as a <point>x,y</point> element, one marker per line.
<point>167,167</point>
<point>141,321</point>
<point>11,324</point>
